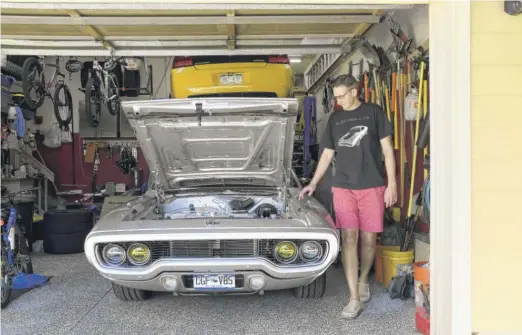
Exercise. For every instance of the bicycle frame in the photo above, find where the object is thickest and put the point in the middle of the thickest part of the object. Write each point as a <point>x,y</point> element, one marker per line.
<point>103,78</point>
<point>49,84</point>
<point>9,236</point>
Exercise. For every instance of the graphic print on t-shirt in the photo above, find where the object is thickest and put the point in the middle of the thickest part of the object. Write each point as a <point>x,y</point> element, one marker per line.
<point>353,137</point>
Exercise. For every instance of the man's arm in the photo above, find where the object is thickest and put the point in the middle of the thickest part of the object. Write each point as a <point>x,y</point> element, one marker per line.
<point>322,166</point>
<point>389,160</point>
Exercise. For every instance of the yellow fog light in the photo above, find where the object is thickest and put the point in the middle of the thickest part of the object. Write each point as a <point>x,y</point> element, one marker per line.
<point>138,253</point>
<point>286,252</point>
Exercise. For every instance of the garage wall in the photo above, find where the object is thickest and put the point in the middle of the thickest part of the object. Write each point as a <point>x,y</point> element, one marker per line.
<point>414,23</point>
<point>496,179</point>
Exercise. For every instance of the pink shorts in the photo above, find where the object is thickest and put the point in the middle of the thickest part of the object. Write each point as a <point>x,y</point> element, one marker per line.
<point>359,209</point>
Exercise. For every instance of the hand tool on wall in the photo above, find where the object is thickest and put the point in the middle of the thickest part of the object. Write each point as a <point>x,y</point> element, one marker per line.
<point>360,85</point>
<point>95,170</point>
<point>427,122</point>
<point>394,109</point>
<point>409,225</point>
<point>366,88</point>
<point>400,117</point>
<point>401,41</point>
<point>387,104</point>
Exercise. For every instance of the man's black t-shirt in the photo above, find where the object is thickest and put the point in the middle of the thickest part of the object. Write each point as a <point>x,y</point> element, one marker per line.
<point>355,136</point>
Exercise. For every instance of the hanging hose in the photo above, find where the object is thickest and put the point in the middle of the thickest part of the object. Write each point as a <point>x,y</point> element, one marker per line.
<point>425,213</point>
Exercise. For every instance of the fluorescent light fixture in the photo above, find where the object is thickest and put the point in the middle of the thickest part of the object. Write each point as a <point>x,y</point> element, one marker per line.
<point>295,60</point>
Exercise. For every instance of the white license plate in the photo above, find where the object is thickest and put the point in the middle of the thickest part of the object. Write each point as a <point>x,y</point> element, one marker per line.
<point>230,79</point>
<point>214,281</point>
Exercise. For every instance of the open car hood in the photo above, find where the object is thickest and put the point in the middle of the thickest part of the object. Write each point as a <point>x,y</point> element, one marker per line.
<point>215,141</point>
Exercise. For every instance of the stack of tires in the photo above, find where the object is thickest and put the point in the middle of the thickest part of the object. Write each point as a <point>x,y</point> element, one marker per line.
<point>64,231</point>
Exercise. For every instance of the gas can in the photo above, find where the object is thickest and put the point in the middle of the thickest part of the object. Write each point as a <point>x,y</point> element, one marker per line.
<point>410,105</point>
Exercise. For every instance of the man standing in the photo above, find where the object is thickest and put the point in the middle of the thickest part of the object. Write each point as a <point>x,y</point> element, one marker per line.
<point>359,135</point>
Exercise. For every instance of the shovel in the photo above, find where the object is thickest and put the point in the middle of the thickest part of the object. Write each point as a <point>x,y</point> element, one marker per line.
<point>410,219</point>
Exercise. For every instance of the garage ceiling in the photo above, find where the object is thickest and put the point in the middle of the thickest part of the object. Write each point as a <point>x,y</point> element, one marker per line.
<point>99,29</point>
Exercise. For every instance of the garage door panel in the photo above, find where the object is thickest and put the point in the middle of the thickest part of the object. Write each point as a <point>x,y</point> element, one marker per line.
<point>152,12</point>
<point>40,30</point>
<point>46,12</point>
<point>286,29</point>
<point>184,30</point>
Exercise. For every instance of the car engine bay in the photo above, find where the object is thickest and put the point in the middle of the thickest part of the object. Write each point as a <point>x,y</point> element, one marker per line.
<point>220,206</point>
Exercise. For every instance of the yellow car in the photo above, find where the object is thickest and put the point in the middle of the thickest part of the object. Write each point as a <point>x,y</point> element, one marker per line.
<point>231,76</point>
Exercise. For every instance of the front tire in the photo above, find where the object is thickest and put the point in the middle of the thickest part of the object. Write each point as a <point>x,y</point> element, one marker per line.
<point>28,82</point>
<point>5,282</point>
<point>23,258</point>
<point>58,103</point>
<point>130,294</point>
<point>314,290</point>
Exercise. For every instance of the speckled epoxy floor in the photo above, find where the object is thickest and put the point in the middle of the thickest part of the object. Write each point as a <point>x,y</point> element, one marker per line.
<point>79,301</point>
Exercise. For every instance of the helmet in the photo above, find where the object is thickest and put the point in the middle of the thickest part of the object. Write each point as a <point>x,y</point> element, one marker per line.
<point>12,114</point>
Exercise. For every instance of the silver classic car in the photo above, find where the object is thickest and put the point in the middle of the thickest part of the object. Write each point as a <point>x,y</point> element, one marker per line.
<point>222,213</point>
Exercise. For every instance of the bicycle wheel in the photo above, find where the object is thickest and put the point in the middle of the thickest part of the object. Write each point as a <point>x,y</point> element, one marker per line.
<point>33,78</point>
<point>5,281</point>
<point>93,101</point>
<point>113,94</point>
<point>66,103</point>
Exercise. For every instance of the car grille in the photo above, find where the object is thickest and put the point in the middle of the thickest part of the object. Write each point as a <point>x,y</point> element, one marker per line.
<point>251,248</point>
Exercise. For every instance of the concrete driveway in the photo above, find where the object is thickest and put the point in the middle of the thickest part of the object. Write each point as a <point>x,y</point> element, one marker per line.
<point>79,301</point>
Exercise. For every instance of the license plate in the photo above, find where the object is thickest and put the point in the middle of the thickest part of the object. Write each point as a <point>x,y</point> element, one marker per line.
<point>214,281</point>
<point>230,79</point>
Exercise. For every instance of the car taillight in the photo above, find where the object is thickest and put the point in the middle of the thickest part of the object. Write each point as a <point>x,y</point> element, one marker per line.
<point>181,62</point>
<point>279,59</point>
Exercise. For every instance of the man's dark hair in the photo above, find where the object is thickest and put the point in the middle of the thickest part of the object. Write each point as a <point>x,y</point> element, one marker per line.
<point>344,80</point>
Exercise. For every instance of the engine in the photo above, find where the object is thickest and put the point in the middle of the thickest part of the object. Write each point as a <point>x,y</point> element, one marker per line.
<point>222,207</point>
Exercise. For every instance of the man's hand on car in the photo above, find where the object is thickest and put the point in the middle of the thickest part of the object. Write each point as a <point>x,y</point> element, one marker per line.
<point>307,190</point>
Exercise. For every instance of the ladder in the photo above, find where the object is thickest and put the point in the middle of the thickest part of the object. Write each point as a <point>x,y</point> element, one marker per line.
<point>319,66</point>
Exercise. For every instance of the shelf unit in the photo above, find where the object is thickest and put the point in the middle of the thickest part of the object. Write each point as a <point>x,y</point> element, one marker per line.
<point>305,138</point>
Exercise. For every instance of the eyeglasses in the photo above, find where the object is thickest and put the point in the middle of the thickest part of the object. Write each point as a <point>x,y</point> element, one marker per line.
<point>339,97</point>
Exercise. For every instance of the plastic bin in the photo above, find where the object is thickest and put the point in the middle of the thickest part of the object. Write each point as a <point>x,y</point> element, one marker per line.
<point>391,258</point>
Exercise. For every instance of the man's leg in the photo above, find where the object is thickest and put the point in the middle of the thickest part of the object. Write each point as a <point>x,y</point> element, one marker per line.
<point>346,215</point>
<point>350,260</point>
<point>371,213</point>
<point>368,241</point>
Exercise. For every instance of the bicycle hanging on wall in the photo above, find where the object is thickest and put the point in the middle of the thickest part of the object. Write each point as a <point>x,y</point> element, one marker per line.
<point>36,88</point>
<point>102,88</point>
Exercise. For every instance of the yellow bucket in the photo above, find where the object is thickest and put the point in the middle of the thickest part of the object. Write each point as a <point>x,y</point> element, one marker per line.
<point>391,257</point>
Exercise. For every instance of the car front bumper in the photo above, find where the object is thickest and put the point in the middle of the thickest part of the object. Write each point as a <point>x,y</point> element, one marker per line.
<point>274,276</point>
<point>243,286</point>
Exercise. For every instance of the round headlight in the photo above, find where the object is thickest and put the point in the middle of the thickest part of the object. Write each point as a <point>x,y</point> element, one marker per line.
<point>310,251</point>
<point>286,252</point>
<point>113,254</point>
<point>138,253</point>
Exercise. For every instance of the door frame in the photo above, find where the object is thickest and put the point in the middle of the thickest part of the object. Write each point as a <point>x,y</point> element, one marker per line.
<point>450,160</point>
